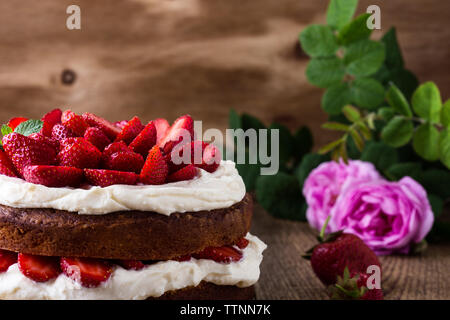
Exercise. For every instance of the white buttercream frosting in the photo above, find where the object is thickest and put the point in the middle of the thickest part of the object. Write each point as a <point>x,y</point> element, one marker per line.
<point>152,281</point>
<point>208,191</point>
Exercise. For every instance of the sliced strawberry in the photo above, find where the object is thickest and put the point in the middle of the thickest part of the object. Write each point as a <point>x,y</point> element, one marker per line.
<point>108,128</point>
<point>104,178</point>
<point>225,254</point>
<point>88,272</point>
<point>155,169</point>
<point>74,122</point>
<point>186,257</point>
<point>131,264</point>
<point>211,158</point>
<point>121,124</point>
<point>97,137</point>
<point>181,130</point>
<point>114,147</point>
<point>242,243</point>
<point>193,152</point>
<point>145,140</point>
<point>80,154</point>
<point>38,136</point>
<point>130,131</point>
<point>50,120</point>
<point>38,268</point>
<point>125,161</point>
<point>187,173</point>
<point>60,132</point>
<point>53,176</point>
<point>7,258</point>
<point>24,151</point>
<point>162,126</point>
<point>6,166</point>
<point>14,122</point>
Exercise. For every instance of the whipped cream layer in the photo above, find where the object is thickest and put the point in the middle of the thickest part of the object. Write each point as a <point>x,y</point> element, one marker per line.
<point>152,281</point>
<point>208,191</point>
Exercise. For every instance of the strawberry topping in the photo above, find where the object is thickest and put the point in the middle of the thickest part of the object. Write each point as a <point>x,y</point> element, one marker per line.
<point>60,132</point>
<point>130,130</point>
<point>242,243</point>
<point>7,258</point>
<point>131,264</point>
<point>88,272</point>
<point>107,127</point>
<point>161,126</point>
<point>225,254</point>
<point>97,137</point>
<point>80,154</point>
<point>104,178</point>
<point>187,173</point>
<point>6,167</point>
<point>145,140</point>
<point>125,161</point>
<point>50,120</point>
<point>14,122</point>
<point>38,268</point>
<point>155,169</point>
<point>53,176</point>
<point>182,131</point>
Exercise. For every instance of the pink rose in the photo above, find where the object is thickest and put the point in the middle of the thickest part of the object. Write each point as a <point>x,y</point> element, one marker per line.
<point>387,216</point>
<point>325,183</point>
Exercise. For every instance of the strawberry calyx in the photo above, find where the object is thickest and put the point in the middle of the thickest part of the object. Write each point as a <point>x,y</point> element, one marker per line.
<point>323,238</point>
<point>347,287</point>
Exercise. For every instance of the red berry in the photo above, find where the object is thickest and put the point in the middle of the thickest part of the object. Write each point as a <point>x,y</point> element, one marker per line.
<point>225,254</point>
<point>6,167</point>
<point>161,126</point>
<point>242,243</point>
<point>145,140</point>
<point>14,122</point>
<point>131,264</point>
<point>54,176</point>
<point>50,120</point>
<point>44,139</point>
<point>125,161</point>
<point>211,158</point>
<point>121,124</point>
<point>104,178</point>
<point>97,137</point>
<point>80,154</point>
<point>186,257</point>
<point>155,169</point>
<point>182,130</point>
<point>107,127</point>
<point>38,268</point>
<point>130,131</point>
<point>115,147</point>
<point>74,122</point>
<point>187,173</point>
<point>60,132</point>
<point>24,151</point>
<point>7,258</point>
<point>88,272</point>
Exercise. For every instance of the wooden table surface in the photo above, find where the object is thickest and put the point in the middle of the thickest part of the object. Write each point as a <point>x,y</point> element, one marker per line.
<point>286,275</point>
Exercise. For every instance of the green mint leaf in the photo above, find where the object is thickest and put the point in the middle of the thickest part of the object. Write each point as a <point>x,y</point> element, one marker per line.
<point>234,120</point>
<point>303,142</point>
<point>6,130</point>
<point>444,147</point>
<point>397,132</point>
<point>335,98</point>
<point>364,58</point>
<point>426,142</point>
<point>325,72</point>
<point>355,30</point>
<point>445,114</point>
<point>280,195</point>
<point>286,142</point>
<point>386,113</point>
<point>436,181</point>
<point>403,169</point>
<point>340,12</point>
<point>351,113</point>
<point>28,127</point>
<point>309,162</point>
<point>367,93</point>
<point>394,58</point>
<point>427,103</point>
<point>398,101</point>
<point>405,80</point>
<point>318,41</point>
<point>336,126</point>
<point>437,204</point>
<point>380,154</point>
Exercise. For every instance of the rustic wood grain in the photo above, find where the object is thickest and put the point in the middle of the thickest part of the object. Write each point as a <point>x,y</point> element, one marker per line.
<point>286,275</point>
<point>162,58</point>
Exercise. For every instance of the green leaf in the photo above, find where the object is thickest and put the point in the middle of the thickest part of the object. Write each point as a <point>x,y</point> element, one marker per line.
<point>234,120</point>
<point>335,98</point>
<point>436,181</point>
<point>336,126</point>
<point>364,58</point>
<point>403,169</point>
<point>397,132</point>
<point>387,113</point>
<point>340,12</point>
<point>351,113</point>
<point>355,30</point>
<point>249,174</point>
<point>397,100</point>
<point>330,146</point>
<point>405,80</point>
<point>280,195</point>
<point>286,142</point>
<point>380,154</point>
<point>357,139</point>
<point>318,41</point>
<point>426,142</point>
<point>445,113</point>
<point>437,204</point>
<point>394,58</point>
<point>309,162</point>
<point>28,127</point>
<point>426,102</point>
<point>444,147</point>
<point>303,142</point>
<point>367,93</point>
<point>325,72</point>
<point>6,130</point>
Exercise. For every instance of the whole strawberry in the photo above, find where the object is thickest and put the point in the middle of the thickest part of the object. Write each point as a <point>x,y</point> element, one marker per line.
<point>336,253</point>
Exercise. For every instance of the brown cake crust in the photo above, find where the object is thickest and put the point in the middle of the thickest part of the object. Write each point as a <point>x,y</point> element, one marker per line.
<point>209,291</point>
<point>122,235</point>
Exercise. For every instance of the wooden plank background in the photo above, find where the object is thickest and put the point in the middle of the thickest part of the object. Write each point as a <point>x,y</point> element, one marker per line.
<point>162,58</point>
